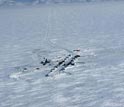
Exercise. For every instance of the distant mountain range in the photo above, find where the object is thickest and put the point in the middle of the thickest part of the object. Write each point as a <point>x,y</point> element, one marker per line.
<point>33,2</point>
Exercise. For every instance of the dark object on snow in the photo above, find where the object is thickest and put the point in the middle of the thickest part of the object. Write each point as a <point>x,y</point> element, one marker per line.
<point>76,56</point>
<point>45,61</point>
<point>25,69</point>
<point>37,68</point>
<point>69,60</point>
<point>46,75</point>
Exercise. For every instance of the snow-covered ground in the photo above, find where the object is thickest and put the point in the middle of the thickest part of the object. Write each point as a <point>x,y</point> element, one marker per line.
<point>97,29</point>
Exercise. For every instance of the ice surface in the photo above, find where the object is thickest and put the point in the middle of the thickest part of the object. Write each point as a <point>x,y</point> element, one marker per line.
<point>97,79</point>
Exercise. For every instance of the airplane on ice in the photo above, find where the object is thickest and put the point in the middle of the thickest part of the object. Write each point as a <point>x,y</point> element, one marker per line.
<point>64,63</point>
<point>52,67</point>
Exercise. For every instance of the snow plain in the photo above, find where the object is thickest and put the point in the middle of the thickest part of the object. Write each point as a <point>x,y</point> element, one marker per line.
<point>95,28</point>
